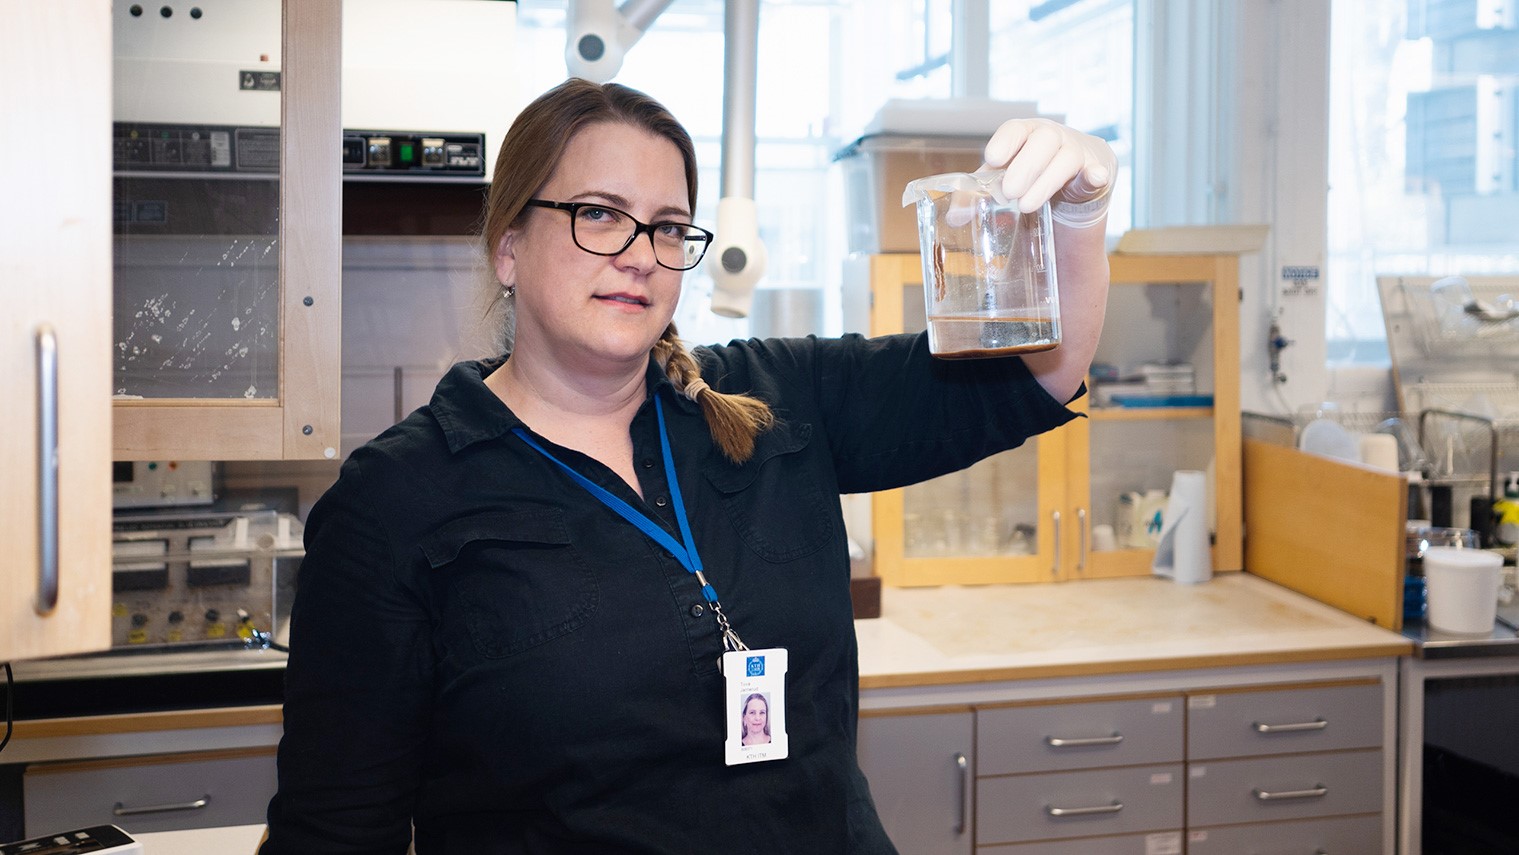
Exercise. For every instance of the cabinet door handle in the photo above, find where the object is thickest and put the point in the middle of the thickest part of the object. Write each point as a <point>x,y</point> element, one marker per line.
<point>1294,727</point>
<point>962,765</point>
<point>1079,741</point>
<point>1318,791</point>
<point>1055,567</point>
<point>122,810</point>
<point>1082,534</point>
<point>47,470</point>
<point>1115,807</point>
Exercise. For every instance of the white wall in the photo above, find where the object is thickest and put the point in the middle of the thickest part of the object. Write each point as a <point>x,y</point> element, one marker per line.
<point>1239,130</point>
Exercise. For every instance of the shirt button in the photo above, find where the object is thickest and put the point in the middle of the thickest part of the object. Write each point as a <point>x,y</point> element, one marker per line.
<point>648,463</point>
<point>661,501</point>
<point>698,610</point>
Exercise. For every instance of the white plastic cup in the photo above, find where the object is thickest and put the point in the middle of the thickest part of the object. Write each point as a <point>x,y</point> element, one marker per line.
<point>1463,589</point>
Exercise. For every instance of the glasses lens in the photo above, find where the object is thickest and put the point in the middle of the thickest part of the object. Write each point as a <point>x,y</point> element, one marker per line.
<point>679,246</point>
<point>608,231</point>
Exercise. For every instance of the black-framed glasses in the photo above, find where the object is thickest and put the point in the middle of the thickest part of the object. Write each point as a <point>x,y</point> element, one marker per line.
<point>603,230</point>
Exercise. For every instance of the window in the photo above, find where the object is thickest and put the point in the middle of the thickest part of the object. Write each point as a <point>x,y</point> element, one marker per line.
<point>825,67</point>
<point>1424,104</point>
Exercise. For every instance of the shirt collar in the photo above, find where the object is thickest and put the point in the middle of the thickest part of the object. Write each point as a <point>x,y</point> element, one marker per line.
<point>469,412</point>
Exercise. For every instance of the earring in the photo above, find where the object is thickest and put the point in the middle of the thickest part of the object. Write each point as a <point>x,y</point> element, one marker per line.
<point>509,291</point>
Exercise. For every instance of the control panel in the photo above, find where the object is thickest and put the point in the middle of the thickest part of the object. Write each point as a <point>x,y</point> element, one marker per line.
<point>196,578</point>
<point>161,148</point>
<point>161,483</point>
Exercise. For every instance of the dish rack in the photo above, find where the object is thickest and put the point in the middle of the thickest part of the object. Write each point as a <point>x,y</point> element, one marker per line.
<point>1454,346</point>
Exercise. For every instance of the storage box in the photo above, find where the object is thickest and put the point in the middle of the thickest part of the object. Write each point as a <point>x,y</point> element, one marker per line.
<point>877,169</point>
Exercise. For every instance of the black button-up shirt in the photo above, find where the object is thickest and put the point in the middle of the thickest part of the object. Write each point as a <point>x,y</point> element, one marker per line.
<point>482,648</point>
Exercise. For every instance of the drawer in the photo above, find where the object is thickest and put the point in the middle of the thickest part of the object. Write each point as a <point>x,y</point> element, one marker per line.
<point>1348,835</point>
<point>146,794</point>
<point>1054,737</point>
<point>1091,802</point>
<point>1155,843</point>
<point>1265,789</point>
<point>1247,724</point>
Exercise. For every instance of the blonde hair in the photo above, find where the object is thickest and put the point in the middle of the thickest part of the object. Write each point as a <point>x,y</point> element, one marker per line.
<point>734,420</point>
<point>530,153</point>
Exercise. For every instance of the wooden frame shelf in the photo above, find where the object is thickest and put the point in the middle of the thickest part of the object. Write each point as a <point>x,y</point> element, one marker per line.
<point>1061,545</point>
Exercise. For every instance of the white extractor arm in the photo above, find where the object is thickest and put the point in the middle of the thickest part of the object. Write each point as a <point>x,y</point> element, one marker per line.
<point>738,250</point>
<point>597,35</point>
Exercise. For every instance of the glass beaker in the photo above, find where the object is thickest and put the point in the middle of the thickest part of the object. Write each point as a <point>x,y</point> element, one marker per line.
<point>989,284</point>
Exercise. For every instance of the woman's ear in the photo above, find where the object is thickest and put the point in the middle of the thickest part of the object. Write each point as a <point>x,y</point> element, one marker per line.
<point>505,258</point>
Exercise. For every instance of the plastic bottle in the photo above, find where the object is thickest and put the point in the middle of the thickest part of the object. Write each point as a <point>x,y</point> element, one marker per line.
<point>1506,513</point>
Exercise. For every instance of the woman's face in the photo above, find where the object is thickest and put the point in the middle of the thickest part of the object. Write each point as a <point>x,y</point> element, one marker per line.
<point>594,312</point>
<point>754,716</point>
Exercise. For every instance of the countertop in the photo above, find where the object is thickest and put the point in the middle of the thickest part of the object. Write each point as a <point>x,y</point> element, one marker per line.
<point>966,634</point>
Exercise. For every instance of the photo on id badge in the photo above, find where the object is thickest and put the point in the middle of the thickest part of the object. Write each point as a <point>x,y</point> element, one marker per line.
<point>756,705</point>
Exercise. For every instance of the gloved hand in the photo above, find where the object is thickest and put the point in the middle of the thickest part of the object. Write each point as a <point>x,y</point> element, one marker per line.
<point>1048,161</point>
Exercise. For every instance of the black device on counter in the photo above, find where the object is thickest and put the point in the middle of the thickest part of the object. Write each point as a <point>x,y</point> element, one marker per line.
<point>103,839</point>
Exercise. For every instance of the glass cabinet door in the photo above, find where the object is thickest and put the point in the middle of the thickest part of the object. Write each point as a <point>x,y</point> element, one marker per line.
<point>227,230</point>
<point>1164,398</point>
<point>1000,520</point>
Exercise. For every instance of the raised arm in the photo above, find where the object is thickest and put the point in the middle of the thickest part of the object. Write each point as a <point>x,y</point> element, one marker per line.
<point>1047,161</point>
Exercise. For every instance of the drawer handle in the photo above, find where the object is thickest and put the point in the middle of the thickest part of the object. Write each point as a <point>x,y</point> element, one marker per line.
<point>1317,792</point>
<point>1115,807</point>
<point>1079,741</point>
<point>122,810</point>
<point>962,765</point>
<point>1295,727</point>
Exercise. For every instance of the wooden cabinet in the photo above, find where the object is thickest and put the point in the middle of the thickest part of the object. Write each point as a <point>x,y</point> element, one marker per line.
<point>55,238</point>
<point>1029,515</point>
<point>1307,761</point>
<point>920,771</point>
<point>291,409</point>
<point>165,792</point>
<point>1055,771</point>
<point>1201,763</point>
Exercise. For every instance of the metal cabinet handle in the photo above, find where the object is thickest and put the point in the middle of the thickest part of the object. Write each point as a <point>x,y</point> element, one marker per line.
<point>962,764</point>
<point>1115,807</point>
<point>1294,727</point>
<point>47,470</point>
<point>1318,791</point>
<point>1055,567</point>
<point>122,810</point>
<point>1079,741</point>
<point>1083,534</point>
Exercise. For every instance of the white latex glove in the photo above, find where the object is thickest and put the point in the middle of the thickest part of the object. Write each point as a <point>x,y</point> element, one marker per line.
<point>1048,161</point>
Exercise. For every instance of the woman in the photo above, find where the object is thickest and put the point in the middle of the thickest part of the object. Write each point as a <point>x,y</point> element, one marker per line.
<point>756,721</point>
<point>492,653</point>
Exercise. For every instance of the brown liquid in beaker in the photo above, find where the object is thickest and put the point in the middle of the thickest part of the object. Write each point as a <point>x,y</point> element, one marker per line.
<point>981,337</point>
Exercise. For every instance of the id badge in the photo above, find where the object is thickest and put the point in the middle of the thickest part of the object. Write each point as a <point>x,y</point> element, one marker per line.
<point>755,682</point>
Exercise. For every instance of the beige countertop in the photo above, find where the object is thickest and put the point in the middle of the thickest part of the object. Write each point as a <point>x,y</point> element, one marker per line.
<point>964,634</point>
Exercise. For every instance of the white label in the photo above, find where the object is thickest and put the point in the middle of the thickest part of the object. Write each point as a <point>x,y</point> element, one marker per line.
<point>1163,843</point>
<point>1161,708</point>
<point>1202,702</point>
<point>1160,778</point>
<point>1197,771</point>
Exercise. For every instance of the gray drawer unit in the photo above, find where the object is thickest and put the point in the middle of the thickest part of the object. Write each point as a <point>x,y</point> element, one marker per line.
<point>147,794</point>
<point>1265,789</point>
<point>1247,724</point>
<point>1155,843</point>
<point>1080,735</point>
<point>1088,803</point>
<point>1345,835</point>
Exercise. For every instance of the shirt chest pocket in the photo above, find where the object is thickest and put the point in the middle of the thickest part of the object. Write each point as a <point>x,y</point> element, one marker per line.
<point>513,578</point>
<point>773,500</point>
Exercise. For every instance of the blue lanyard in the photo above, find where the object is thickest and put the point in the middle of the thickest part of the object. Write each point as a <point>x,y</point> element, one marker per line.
<point>685,551</point>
